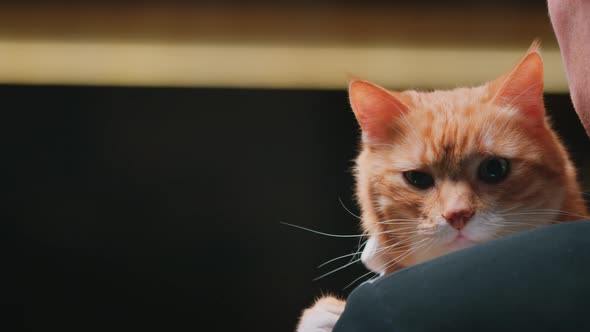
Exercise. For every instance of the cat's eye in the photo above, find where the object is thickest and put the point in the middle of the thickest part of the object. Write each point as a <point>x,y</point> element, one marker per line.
<point>493,170</point>
<point>419,180</point>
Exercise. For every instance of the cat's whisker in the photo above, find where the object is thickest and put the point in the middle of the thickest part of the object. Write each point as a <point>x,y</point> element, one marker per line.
<point>396,226</point>
<point>359,252</point>
<point>530,214</point>
<point>409,233</point>
<point>344,266</point>
<point>360,246</point>
<point>396,260</point>
<point>422,244</point>
<point>402,224</point>
<point>545,212</point>
<point>413,245</point>
<point>397,229</point>
<point>375,277</point>
<point>401,220</point>
<point>397,244</point>
<point>400,232</point>
<point>520,221</point>
<point>385,246</point>
<point>559,211</point>
<point>545,209</point>
<point>403,227</point>
<point>540,212</point>
<point>337,258</point>
<point>510,208</point>
<point>324,233</point>
<point>395,236</point>
<point>347,210</point>
<point>404,248</point>
<point>518,225</point>
<point>337,269</point>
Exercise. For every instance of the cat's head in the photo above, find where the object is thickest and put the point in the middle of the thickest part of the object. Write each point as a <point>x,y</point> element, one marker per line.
<point>443,170</point>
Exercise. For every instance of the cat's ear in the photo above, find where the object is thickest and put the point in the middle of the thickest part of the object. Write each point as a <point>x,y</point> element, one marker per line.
<point>522,87</point>
<point>375,109</point>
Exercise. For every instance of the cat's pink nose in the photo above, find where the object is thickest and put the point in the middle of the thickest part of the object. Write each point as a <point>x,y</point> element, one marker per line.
<point>458,218</point>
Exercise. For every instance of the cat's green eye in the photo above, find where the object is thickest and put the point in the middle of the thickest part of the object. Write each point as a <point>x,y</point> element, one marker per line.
<point>493,170</point>
<point>419,180</point>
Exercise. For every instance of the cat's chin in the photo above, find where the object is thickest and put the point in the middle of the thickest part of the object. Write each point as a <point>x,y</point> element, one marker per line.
<point>460,241</point>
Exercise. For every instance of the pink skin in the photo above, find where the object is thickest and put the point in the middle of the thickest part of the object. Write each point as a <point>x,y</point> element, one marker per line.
<point>571,23</point>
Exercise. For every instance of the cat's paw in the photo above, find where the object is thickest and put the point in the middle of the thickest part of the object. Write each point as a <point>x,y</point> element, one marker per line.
<point>321,316</point>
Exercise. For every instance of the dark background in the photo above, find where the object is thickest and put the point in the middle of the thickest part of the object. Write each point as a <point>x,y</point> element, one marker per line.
<point>160,208</point>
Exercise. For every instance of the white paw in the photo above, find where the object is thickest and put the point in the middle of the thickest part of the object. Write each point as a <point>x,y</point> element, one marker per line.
<point>322,316</point>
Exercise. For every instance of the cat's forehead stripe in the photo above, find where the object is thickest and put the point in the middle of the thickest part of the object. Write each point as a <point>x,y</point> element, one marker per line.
<point>444,135</point>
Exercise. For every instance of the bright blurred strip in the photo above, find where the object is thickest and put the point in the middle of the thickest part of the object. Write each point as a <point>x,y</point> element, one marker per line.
<point>258,66</point>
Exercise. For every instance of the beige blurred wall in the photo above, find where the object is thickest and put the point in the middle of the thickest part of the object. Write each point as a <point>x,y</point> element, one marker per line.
<point>270,46</point>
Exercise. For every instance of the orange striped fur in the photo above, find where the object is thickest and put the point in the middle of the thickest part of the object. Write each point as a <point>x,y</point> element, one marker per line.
<point>448,134</point>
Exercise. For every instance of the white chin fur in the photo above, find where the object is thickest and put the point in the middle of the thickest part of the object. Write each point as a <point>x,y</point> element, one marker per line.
<point>372,258</point>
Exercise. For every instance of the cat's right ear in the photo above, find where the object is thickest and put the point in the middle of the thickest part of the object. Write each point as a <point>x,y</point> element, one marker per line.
<point>375,109</point>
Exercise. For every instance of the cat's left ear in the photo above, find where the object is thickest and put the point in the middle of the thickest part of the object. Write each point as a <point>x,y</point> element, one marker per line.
<point>375,109</point>
<point>522,87</point>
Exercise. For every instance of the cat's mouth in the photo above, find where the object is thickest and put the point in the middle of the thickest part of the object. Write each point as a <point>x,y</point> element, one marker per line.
<point>460,241</point>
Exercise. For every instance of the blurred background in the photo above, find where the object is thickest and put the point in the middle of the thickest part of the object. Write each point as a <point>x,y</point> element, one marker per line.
<point>155,147</point>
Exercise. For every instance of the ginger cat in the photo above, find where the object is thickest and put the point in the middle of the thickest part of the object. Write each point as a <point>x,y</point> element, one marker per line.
<point>440,171</point>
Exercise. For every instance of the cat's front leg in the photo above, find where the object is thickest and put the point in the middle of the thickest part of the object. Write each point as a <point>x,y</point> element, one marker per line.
<point>321,316</point>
